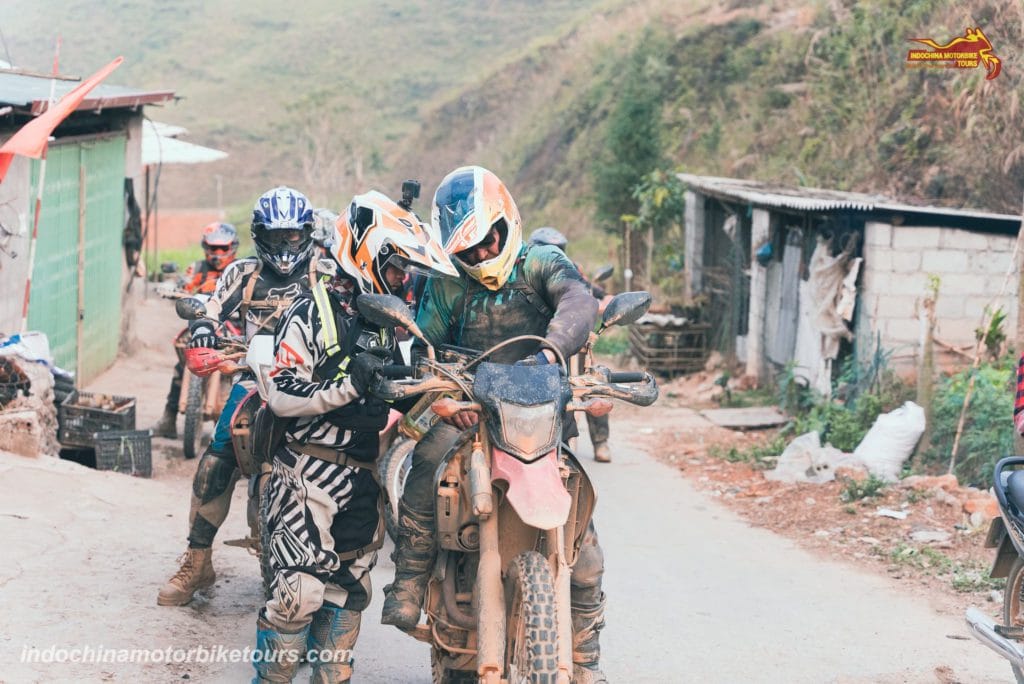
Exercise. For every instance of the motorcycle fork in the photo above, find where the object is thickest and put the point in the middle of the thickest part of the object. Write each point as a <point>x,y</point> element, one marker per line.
<point>490,591</point>
<point>186,379</point>
<point>212,395</point>
<point>563,606</point>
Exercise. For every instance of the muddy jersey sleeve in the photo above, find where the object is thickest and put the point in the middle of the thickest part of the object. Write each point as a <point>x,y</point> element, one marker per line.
<point>434,317</point>
<point>292,390</point>
<point>558,280</point>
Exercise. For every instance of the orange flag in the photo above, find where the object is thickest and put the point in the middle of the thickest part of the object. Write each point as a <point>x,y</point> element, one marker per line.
<point>31,139</point>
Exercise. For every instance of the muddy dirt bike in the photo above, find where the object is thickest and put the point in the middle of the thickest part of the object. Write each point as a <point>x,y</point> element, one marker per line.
<point>394,464</point>
<point>1006,534</point>
<point>512,502</point>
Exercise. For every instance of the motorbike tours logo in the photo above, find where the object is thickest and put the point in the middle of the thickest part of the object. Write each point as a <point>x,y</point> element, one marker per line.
<point>968,51</point>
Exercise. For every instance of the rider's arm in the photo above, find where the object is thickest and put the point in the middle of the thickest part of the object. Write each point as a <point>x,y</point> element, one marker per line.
<point>556,277</point>
<point>292,390</point>
<point>434,317</point>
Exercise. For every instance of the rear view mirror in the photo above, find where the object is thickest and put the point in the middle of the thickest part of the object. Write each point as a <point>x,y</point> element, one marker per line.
<point>384,310</point>
<point>190,308</point>
<point>602,274</point>
<point>626,308</point>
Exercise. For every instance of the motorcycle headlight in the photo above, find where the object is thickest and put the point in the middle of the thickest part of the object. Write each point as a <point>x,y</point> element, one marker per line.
<point>529,431</point>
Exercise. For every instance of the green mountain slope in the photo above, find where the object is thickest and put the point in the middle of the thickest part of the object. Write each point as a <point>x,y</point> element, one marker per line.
<point>336,100</point>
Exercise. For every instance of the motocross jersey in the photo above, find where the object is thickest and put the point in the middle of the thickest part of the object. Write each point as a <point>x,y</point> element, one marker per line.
<point>201,278</point>
<point>317,337</point>
<point>260,295</point>
<point>545,295</point>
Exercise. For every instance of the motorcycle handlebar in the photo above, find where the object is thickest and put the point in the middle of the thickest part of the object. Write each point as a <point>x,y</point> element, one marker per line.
<point>397,371</point>
<point>626,376</point>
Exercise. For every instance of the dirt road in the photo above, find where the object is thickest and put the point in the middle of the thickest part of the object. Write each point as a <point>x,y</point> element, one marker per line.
<point>695,594</point>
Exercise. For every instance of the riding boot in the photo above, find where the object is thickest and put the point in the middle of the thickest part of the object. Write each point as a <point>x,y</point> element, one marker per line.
<point>587,621</point>
<point>195,573</point>
<point>414,554</point>
<point>602,454</point>
<point>278,654</point>
<point>332,637</point>
<point>167,425</point>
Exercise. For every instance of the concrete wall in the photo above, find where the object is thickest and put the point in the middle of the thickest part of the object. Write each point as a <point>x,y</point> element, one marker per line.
<point>898,261</point>
<point>693,243</point>
<point>16,218</point>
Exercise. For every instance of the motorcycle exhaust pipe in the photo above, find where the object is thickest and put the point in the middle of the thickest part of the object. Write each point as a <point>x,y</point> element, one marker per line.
<point>983,628</point>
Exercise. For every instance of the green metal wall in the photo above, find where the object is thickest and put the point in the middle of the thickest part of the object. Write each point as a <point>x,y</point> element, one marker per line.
<point>53,307</point>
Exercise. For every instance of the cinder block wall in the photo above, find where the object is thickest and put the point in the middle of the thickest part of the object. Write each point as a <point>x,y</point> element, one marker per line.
<point>898,260</point>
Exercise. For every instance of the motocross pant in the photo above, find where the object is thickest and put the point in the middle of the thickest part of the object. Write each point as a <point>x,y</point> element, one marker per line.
<point>215,478</point>
<point>586,597</point>
<point>319,519</point>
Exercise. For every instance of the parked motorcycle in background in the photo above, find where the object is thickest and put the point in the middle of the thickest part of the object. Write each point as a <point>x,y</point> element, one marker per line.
<point>1006,534</point>
<point>512,502</point>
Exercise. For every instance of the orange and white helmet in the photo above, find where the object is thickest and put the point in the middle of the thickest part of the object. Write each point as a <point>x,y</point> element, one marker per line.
<point>467,204</point>
<point>375,232</point>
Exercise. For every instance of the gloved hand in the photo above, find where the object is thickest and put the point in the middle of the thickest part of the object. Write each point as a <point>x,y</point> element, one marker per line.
<point>203,337</point>
<point>364,369</point>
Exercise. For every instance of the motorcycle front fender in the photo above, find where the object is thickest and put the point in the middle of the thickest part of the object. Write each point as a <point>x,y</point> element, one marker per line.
<point>535,490</point>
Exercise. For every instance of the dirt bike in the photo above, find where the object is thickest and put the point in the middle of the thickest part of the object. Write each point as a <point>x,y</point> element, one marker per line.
<point>512,502</point>
<point>1006,534</point>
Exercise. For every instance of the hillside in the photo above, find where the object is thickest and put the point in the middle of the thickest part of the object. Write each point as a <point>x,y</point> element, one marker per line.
<point>797,92</point>
<point>316,93</point>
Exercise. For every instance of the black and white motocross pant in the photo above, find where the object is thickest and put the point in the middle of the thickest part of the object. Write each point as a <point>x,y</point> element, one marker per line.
<point>313,510</point>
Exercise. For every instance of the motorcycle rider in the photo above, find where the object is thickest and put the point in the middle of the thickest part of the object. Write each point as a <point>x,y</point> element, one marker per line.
<point>220,244</point>
<point>509,289</point>
<point>322,512</point>
<point>598,425</point>
<point>260,289</point>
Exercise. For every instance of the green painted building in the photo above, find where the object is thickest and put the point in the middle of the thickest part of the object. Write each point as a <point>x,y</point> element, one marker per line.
<point>79,276</point>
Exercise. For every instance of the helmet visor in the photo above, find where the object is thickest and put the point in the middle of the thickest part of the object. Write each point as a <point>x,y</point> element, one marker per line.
<point>455,203</point>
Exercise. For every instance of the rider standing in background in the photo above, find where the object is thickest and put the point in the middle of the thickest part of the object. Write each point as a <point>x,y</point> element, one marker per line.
<point>260,289</point>
<point>598,425</point>
<point>509,289</point>
<point>323,506</point>
<point>220,244</point>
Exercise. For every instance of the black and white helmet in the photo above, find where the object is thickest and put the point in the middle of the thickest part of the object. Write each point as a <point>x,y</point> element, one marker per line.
<point>282,229</point>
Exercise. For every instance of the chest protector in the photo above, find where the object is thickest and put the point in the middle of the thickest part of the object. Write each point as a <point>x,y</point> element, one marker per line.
<point>481,317</point>
<point>367,414</point>
<point>267,310</point>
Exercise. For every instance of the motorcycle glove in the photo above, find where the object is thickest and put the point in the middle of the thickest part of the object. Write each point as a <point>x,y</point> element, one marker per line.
<point>203,337</point>
<point>365,370</point>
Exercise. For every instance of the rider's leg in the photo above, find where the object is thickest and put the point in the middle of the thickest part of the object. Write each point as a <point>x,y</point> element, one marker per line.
<point>414,549</point>
<point>588,603</point>
<point>599,437</point>
<point>167,425</point>
<point>312,513</point>
<point>212,487</point>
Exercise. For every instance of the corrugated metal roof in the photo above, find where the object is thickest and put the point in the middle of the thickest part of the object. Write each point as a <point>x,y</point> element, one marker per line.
<point>32,93</point>
<point>818,199</point>
<point>159,146</point>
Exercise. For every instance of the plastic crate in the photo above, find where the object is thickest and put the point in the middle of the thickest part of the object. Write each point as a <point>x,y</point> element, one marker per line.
<point>124,452</point>
<point>84,414</point>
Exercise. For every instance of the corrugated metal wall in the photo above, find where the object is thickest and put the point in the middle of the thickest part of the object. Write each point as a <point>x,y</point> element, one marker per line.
<point>54,304</point>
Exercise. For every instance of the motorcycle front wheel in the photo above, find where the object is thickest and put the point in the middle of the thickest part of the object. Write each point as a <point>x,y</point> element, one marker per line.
<point>1013,616</point>
<point>193,433</point>
<point>532,634</point>
<point>394,469</point>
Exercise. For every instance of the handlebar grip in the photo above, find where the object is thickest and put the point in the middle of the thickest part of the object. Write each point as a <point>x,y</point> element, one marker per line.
<point>626,376</point>
<point>398,371</point>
